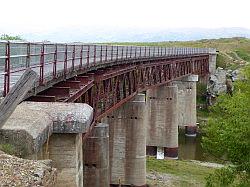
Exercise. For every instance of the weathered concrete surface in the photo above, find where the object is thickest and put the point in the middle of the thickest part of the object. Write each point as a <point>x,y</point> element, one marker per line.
<point>96,157</point>
<point>128,143</point>
<point>27,130</point>
<point>21,172</point>
<point>32,123</point>
<point>162,120</point>
<point>217,82</point>
<point>212,60</point>
<point>66,152</point>
<point>186,102</point>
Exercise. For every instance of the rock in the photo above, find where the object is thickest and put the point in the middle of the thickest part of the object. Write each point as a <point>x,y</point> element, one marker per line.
<point>16,171</point>
<point>235,75</point>
<point>217,82</point>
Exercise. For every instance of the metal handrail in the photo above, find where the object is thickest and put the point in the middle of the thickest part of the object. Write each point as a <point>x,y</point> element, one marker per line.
<point>17,56</point>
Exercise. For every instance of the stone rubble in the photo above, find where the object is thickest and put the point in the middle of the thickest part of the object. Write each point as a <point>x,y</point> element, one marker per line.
<point>16,171</point>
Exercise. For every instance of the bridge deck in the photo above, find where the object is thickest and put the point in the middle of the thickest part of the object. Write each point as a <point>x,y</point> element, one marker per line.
<point>53,60</point>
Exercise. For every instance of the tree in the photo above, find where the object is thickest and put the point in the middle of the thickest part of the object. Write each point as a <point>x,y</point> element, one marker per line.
<point>227,134</point>
<point>8,37</point>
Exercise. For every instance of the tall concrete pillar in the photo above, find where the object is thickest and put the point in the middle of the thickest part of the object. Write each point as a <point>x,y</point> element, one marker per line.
<point>187,104</point>
<point>162,121</point>
<point>128,143</point>
<point>96,157</point>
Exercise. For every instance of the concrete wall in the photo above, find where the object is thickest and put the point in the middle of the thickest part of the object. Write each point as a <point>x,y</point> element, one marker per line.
<point>128,143</point>
<point>162,120</point>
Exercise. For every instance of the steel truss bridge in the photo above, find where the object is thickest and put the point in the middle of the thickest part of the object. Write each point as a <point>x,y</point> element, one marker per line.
<point>104,76</point>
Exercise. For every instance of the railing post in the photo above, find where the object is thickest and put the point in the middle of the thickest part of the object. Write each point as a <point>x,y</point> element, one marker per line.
<point>101,55</point>
<point>65,59</point>
<point>130,52</point>
<point>73,57</point>
<point>140,51</point>
<point>42,64</point>
<point>117,51</point>
<point>88,56</point>
<point>111,53</point>
<point>106,53</point>
<point>126,52</point>
<point>94,55</point>
<point>145,53</point>
<point>28,55</point>
<point>122,52</point>
<point>81,53</point>
<point>135,51</point>
<point>7,69</point>
<point>55,61</point>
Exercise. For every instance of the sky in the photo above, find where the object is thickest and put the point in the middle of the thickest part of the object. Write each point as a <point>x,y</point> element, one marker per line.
<point>28,16</point>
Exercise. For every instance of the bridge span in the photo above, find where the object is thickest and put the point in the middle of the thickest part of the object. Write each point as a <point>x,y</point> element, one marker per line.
<point>142,93</point>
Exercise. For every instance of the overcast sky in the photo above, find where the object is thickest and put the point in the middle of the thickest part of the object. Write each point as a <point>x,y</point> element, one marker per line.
<point>17,16</point>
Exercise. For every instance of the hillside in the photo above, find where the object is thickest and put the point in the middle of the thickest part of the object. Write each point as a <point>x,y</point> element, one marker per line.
<point>232,51</point>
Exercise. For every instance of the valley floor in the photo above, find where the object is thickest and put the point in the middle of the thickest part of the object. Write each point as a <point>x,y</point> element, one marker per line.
<point>178,173</point>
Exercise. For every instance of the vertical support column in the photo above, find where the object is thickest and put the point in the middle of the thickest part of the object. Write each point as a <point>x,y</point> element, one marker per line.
<point>128,143</point>
<point>187,104</point>
<point>96,157</point>
<point>66,152</point>
<point>162,121</point>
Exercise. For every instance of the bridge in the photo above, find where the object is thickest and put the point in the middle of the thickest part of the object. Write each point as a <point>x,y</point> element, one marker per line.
<point>102,106</point>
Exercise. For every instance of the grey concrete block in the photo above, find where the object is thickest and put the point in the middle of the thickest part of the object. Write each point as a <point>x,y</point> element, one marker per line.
<point>32,123</point>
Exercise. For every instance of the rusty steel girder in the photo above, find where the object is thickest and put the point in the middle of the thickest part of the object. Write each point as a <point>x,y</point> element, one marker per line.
<point>108,88</point>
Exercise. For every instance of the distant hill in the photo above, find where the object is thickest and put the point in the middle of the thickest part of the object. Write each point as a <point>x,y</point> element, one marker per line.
<point>135,35</point>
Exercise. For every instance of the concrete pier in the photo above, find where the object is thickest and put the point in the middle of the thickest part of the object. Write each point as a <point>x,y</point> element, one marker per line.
<point>187,104</point>
<point>65,150</point>
<point>51,131</point>
<point>162,121</point>
<point>128,143</point>
<point>96,157</point>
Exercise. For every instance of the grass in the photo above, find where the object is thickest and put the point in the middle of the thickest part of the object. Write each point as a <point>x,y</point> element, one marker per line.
<point>222,61</point>
<point>242,53</point>
<point>188,173</point>
<point>203,113</point>
<point>7,148</point>
<point>228,46</point>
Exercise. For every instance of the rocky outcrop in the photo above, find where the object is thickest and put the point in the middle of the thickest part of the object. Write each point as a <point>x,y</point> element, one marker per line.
<point>217,82</point>
<point>15,171</point>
